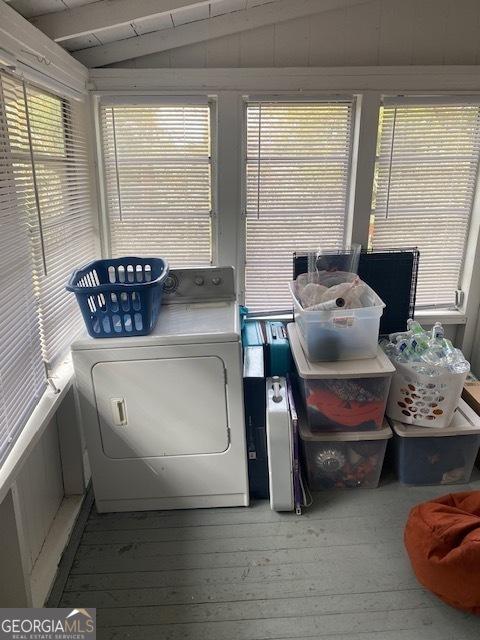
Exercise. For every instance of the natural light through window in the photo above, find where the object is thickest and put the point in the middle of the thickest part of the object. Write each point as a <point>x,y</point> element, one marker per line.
<point>427,164</point>
<point>158,181</point>
<point>297,173</point>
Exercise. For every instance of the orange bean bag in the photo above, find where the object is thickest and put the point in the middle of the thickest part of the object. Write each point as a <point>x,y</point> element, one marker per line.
<point>442,538</point>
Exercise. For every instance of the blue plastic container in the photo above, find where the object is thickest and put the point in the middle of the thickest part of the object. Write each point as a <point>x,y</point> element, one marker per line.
<point>437,455</point>
<point>120,296</point>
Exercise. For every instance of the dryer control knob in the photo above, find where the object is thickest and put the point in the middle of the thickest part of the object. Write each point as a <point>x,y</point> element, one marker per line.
<point>216,281</point>
<point>199,281</point>
<point>171,284</point>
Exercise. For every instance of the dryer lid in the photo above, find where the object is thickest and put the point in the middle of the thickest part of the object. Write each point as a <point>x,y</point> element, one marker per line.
<point>196,323</point>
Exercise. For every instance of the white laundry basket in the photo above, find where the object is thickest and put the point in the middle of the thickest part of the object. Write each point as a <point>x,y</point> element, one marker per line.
<point>422,400</point>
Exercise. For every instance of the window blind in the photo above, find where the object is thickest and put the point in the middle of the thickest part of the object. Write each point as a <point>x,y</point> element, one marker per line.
<point>22,378</point>
<point>158,181</point>
<point>297,175</point>
<point>65,237</point>
<point>51,163</point>
<point>427,164</point>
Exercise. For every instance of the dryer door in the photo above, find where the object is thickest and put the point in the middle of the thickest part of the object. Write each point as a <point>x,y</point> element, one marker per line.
<point>165,407</point>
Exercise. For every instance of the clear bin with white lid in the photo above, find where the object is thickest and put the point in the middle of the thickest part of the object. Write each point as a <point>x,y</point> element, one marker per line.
<point>437,456</point>
<point>340,334</point>
<point>342,396</point>
<point>343,460</point>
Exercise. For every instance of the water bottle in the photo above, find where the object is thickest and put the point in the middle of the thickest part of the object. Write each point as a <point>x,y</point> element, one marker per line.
<point>393,337</point>
<point>437,331</point>
<point>414,327</point>
<point>456,362</point>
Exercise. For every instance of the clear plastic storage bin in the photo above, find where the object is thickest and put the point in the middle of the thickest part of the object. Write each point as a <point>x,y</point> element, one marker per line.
<point>342,396</point>
<point>343,460</point>
<point>341,334</point>
<point>426,456</point>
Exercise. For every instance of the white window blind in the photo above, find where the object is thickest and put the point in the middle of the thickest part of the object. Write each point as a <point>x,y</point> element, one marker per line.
<point>47,230</point>
<point>425,182</point>
<point>158,180</point>
<point>22,378</point>
<point>65,237</point>
<point>297,175</point>
<point>51,163</point>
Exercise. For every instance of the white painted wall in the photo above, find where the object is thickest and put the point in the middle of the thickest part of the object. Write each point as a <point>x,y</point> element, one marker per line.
<point>39,491</point>
<point>39,510</point>
<point>380,32</point>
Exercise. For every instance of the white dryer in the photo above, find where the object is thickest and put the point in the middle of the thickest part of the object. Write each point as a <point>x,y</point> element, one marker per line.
<point>163,414</point>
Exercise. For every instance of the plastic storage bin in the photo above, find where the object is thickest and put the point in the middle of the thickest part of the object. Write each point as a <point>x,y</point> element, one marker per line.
<point>437,456</point>
<point>120,296</point>
<point>341,334</point>
<point>425,401</point>
<point>343,396</point>
<point>343,460</point>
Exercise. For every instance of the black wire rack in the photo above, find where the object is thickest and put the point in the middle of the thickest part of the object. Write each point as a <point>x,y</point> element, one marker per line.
<point>392,273</point>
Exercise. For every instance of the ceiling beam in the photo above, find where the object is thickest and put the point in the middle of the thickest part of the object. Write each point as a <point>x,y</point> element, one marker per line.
<point>105,14</point>
<point>208,29</point>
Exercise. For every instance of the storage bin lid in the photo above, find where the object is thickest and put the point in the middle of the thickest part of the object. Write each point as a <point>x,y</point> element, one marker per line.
<point>464,422</point>
<point>307,435</point>
<point>367,368</point>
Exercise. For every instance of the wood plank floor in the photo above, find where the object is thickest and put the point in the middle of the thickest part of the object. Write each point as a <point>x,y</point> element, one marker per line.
<point>339,572</point>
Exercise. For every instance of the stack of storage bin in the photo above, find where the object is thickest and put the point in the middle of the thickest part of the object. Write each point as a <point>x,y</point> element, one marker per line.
<point>343,431</point>
<point>437,455</point>
<point>436,434</point>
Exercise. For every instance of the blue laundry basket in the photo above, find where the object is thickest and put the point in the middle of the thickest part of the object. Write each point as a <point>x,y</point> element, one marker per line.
<point>120,296</point>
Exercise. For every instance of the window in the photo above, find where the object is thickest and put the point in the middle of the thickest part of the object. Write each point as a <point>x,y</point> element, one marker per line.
<point>62,228</point>
<point>158,181</point>
<point>425,182</point>
<point>297,174</point>
<point>47,230</point>
<point>22,377</point>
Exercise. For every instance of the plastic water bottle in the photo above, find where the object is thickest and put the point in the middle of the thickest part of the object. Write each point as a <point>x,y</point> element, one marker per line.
<point>393,337</point>
<point>415,327</point>
<point>437,331</point>
<point>428,353</point>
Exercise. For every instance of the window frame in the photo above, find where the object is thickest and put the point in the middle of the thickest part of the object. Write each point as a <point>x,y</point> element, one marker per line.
<point>57,380</point>
<point>295,99</point>
<point>436,313</point>
<point>368,84</point>
<point>350,195</point>
<point>102,99</point>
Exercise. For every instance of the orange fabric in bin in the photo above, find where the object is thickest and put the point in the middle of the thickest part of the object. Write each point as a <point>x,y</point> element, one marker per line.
<point>442,538</point>
<point>349,413</point>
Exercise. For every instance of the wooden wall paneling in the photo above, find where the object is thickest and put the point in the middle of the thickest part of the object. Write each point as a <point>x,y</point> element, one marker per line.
<point>224,52</point>
<point>429,31</point>
<point>361,35</point>
<point>291,43</point>
<point>327,39</point>
<point>14,589</point>
<point>162,59</point>
<point>194,55</point>
<point>462,40</point>
<point>257,47</point>
<point>396,32</point>
<point>40,491</point>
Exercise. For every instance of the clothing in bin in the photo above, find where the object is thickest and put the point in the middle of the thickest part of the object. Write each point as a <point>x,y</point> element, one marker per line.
<point>342,396</point>
<point>347,404</point>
